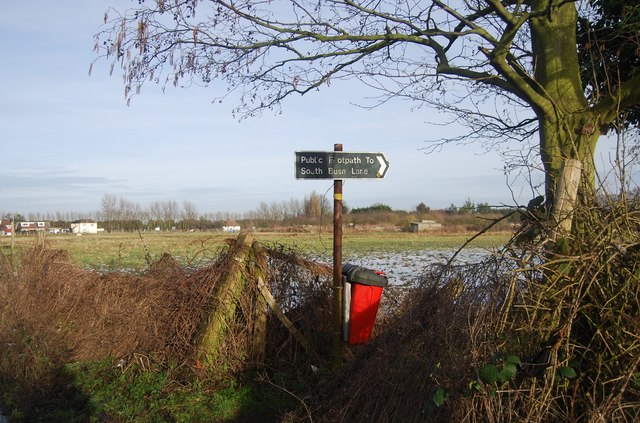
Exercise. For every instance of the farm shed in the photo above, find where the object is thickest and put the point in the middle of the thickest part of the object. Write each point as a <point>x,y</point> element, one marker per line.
<point>425,225</point>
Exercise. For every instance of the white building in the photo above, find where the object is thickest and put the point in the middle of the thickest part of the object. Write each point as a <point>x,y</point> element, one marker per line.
<point>232,229</point>
<point>84,226</point>
<point>26,227</point>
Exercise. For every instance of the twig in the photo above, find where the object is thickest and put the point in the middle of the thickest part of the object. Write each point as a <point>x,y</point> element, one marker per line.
<point>467,242</point>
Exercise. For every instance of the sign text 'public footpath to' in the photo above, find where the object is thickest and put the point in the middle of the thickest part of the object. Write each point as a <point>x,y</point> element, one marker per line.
<point>340,165</point>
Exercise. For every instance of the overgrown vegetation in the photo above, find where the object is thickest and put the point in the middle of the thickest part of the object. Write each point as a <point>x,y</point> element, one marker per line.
<point>79,345</point>
<point>542,332</point>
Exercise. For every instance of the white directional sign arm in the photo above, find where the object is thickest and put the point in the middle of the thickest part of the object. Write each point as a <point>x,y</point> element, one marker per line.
<point>383,166</point>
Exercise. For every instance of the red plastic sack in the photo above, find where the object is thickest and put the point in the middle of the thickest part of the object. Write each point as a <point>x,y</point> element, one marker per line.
<point>365,301</point>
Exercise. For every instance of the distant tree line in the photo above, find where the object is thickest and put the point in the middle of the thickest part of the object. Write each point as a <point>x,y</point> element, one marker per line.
<point>470,207</point>
<point>467,207</point>
<point>377,207</point>
<point>118,213</point>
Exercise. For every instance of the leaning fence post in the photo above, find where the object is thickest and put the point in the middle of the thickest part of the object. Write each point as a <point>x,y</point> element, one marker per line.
<point>213,329</point>
<point>259,338</point>
<point>273,304</point>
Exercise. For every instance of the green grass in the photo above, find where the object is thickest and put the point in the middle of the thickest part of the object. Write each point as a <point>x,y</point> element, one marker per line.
<point>127,250</point>
<point>131,251</point>
<point>103,391</point>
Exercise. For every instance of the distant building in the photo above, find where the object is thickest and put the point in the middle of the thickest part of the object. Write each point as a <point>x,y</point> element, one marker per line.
<point>7,228</point>
<point>232,229</point>
<point>84,226</point>
<point>425,225</point>
<point>27,227</point>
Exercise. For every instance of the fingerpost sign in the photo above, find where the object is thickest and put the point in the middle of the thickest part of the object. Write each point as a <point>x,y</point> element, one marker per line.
<point>339,165</point>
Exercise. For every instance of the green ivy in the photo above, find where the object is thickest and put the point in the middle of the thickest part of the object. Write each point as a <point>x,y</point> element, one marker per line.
<point>502,369</point>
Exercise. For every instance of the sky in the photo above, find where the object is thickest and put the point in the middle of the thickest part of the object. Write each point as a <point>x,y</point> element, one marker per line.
<point>68,138</point>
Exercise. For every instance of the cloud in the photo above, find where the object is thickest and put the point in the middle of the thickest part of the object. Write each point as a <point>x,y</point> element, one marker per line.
<point>30,180</point>
<point>73,139</point>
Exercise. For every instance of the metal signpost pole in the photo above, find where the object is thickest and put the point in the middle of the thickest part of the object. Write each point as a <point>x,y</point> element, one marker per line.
<point>337,268</point>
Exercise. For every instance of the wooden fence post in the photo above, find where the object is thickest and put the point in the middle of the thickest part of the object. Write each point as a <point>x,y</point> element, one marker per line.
<point>565,198</point>
<point>213,329</point>
<point>259,338</point>
<point>273,304</point>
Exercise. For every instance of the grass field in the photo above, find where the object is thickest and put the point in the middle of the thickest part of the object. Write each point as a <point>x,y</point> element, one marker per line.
<point>132,250</point>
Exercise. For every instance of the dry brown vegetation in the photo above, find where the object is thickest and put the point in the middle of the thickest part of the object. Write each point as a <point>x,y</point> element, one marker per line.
<point>53,313</point>
<point>540,333</point>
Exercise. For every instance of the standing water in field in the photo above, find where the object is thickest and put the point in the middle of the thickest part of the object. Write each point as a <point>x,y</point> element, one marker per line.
<point>404,267</point>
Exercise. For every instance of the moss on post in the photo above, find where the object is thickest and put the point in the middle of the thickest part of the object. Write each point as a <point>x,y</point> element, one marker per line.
<point>259,333</point>
<point>213,329</point>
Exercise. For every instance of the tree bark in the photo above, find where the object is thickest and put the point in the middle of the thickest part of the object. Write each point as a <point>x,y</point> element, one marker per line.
<point>569,128</point>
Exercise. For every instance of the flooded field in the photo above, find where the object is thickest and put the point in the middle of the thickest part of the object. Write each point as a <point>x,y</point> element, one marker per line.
<point>403,267</point>
<point>401,256</point>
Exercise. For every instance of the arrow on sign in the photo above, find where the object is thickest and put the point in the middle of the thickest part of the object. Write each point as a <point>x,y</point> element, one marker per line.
<point>340,165</point>
<point>383,166</point>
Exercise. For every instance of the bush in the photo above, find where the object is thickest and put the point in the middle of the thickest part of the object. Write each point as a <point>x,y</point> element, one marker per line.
<point>543,332</point>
